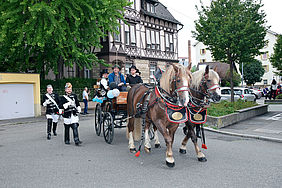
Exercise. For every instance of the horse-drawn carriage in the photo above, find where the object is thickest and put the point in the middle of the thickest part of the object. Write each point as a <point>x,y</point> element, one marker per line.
<point>110,114</point>
<point>180,97</point>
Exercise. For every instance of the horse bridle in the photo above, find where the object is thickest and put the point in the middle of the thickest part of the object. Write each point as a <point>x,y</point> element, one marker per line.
<point>204,91</point>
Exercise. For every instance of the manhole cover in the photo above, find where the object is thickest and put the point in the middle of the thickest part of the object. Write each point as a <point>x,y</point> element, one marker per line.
<point>227,138</point>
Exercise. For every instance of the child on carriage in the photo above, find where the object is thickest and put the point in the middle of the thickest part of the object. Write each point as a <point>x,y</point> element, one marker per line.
<point>104,87</point>
<point>116,79</point>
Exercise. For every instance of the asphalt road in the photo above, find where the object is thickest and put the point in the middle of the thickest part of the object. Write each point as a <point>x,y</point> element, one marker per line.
<point>27,159</point>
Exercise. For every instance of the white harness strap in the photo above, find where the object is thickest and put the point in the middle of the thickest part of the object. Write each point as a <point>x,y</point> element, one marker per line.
<point>70,100</point>
<point>52,100</point>
<point>215,86</point>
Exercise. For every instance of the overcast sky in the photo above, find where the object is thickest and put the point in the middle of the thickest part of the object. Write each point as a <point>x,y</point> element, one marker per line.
<point>185,12</point>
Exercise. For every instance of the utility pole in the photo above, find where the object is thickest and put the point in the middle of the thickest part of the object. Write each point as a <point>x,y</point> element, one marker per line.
<point>242,74</point>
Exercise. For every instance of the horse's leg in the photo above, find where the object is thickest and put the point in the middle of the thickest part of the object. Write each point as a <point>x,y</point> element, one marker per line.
<point>147,145</point>
<point>168,140</point>
<point>156,137</point>
<point>183,148</point>
<point>130,135</point>
<point>201,157</point>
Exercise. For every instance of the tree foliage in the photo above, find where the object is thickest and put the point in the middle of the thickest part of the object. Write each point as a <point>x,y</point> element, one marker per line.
<point>234,30</point>
<point>276,58</point>
<point>225,82</point>
<point>39,34</point>
<point>252,71</point>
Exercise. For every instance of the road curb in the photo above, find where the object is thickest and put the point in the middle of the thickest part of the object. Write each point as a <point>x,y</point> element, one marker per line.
<point>38,120</point>
<point>245,135</point>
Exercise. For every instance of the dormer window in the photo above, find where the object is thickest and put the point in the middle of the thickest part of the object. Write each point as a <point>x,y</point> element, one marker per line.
<point>150,7</point>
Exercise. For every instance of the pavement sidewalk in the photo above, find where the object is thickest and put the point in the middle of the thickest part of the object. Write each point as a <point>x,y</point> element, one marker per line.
<point>265,127</point>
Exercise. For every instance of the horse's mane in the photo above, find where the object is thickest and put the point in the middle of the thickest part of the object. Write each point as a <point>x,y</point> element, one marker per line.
<point>198,75</point>
<point>166,79</point>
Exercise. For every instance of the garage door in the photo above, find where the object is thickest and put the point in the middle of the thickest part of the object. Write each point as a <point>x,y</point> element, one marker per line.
<point>16,101</point>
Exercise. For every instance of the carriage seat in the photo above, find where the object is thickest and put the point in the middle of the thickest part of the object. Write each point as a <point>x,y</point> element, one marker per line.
<point>122,98</point>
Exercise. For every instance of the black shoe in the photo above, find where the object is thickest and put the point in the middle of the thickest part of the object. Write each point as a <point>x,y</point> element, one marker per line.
<point>78,143</point>
<point>67,142</point>
<point>49,136</point>
<point>55,134</point>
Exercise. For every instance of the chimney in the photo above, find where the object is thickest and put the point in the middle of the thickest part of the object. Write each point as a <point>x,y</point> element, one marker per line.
<point>189,51</point>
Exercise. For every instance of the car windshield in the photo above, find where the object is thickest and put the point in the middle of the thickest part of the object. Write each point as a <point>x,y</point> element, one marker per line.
<point>237,92</point>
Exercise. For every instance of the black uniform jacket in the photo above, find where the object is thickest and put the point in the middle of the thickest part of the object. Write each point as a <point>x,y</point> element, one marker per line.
<point>70,109</point>
<point>133,80</point>
<point>52,108</point>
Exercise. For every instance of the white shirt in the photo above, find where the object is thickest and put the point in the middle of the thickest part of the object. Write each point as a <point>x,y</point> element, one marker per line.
<point>85,95</point>
<point>104,82</point>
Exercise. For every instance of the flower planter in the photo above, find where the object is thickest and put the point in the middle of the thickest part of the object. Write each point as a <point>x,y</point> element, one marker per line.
<point>238,116</point>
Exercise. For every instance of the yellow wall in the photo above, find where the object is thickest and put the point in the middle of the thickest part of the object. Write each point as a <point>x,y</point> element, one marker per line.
<point>25,78</point>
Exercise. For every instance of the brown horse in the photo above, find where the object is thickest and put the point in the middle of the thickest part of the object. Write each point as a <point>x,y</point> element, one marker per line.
<point>204,86</point>
<point>173,84</point>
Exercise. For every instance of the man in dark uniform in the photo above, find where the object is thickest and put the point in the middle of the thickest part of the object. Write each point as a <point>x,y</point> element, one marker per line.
<point>133,78</point>
<point>71,106</point>
<point>51,102</point>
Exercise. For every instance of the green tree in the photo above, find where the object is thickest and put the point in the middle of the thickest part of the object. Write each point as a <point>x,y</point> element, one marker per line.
<point>234,31</point>
<point>252,71</point>
<point>225,82</point>
<point>46,34</point>
<point>276,58</point>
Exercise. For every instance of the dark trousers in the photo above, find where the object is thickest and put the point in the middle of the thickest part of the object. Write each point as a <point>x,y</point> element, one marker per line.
<point>85,106</point>
<point>74,127</point>
<point>272,94</point>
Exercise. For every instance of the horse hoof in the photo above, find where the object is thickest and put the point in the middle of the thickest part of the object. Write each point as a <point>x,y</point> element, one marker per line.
<point>147,150</point>
<point>157,145</point>
<point>132,150</point>
<point>182,151</point>
<point>202,159</point>
<point>170,165</point>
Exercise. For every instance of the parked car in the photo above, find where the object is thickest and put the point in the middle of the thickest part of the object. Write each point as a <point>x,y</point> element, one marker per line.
<point>225,93</point>
<point>245,94</point>
<point>258,93</point>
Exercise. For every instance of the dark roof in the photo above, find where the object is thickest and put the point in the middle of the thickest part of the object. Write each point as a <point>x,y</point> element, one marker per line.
<point>161,12</point>
<point>221,68</point>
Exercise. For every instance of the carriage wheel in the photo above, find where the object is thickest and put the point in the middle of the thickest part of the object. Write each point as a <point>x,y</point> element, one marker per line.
<point>108,127</point>
<point>109,107</point>
<point>98,119</point>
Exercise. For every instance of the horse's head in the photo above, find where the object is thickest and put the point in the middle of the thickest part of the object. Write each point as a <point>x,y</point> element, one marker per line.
<point>176,81</point>
<point>210,84</point>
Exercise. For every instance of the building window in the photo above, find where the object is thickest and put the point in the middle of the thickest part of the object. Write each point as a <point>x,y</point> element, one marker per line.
<point>264,82</point>
<point>150,8</point>
<point>153,39</point>
<point>70,72</point>
<point>202,51</point>
<point>169,42</point>
<point>86,73</point>
<point>127,66</point>
<point>117,35</point>
<point>130,36</point>
<point>153,68</point>
<point>264,56</point>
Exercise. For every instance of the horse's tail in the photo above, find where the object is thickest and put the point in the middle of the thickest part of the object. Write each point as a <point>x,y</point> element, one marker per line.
<point>137,129</point>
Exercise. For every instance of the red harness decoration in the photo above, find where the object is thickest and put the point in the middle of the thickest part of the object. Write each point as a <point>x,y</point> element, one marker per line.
<point>174,113</point>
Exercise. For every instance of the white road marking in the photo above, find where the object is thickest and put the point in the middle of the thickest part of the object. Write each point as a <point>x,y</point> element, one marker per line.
<point>276,117</point>
<point>268,131</point>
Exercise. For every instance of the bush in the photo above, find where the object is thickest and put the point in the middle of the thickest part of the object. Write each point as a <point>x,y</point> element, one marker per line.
<point>279,96</point>
<point>225,107</point>
<point>78,85</point>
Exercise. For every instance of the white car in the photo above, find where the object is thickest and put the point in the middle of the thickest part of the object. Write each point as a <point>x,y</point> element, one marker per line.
<point>257,93</point>
<point>225,93</point>
<point>245,94</point>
